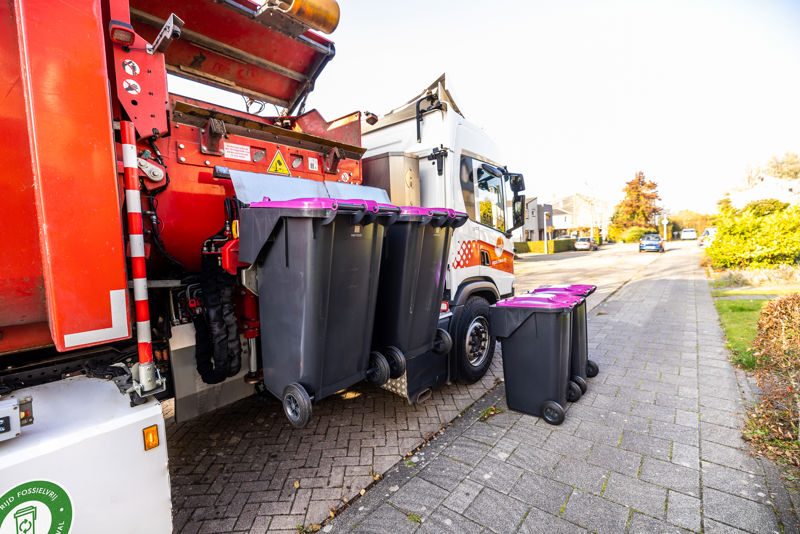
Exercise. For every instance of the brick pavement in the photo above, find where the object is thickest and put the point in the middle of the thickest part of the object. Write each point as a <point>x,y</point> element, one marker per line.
<point>654,445</point>
<point>234,469</point>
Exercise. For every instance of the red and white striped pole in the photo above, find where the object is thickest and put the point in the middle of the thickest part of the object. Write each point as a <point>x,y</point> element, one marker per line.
<point>133,202</point>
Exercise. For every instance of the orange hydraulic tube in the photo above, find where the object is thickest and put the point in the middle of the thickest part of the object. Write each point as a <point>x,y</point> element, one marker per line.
<point>322,15</point>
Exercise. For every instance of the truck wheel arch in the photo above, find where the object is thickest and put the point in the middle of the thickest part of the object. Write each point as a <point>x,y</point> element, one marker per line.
<point>476,287</point>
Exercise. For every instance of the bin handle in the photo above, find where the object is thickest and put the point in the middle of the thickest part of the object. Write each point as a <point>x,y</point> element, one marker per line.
<point>388,214</point>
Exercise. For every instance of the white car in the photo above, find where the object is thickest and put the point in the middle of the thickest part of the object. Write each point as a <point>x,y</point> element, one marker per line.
<point>585,243</point>
<point>688,233</point>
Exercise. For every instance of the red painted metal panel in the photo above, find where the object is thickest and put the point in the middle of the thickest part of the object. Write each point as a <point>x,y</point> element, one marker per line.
<point>21,284</point>
<point>225,25</point>
<point>64,78</point>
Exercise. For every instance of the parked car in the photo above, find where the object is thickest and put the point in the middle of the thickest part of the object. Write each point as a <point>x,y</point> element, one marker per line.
<point>707,237</point>
<point>585,243</point>
<point>688,233</point>
<point>651,242</point>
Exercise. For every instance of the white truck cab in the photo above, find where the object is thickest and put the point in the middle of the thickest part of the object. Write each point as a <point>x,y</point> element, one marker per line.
<point>426,152</point>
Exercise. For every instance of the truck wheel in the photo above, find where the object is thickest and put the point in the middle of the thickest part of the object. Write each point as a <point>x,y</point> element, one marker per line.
<point>592,369</point>
<point>297,405</point>
<point>397,362</point>
<point>474,347</point>
<point>379,371</point>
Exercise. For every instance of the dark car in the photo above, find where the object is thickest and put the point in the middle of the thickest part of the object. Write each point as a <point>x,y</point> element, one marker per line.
<point>651,242</point>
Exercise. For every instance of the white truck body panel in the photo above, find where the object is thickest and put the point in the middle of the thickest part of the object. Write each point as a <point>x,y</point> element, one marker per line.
<point>448,130</point>
<point>87,440</point>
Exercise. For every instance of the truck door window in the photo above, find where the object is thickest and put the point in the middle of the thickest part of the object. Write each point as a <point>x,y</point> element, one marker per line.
<point>491,200</point>
<point>467,186</point>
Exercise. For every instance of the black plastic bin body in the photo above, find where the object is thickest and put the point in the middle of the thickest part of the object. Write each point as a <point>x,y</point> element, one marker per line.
<point>535,337</point>
<point>579,346</point>
<point>318,262</point>
<point>412,279</point>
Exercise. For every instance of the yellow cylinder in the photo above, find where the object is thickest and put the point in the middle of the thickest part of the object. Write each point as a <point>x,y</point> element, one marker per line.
<point>321,15</point>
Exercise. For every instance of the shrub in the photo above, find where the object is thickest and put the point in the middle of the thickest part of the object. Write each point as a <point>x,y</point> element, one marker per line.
<point>774,421</point>
<point>765,233</point>
<point>635,233</point>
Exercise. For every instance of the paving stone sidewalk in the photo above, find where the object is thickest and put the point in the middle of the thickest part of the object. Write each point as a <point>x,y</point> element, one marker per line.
<point>654,446</point>
<point>234,470</point>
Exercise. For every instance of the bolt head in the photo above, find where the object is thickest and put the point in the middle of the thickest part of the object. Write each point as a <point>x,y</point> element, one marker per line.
<point>180,145</point>
<point>181,159</point>
<point>207,162</point>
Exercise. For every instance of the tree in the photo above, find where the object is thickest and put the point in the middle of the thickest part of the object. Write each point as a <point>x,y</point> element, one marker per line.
<point>787,167</point>
<point>690,219</point>
<point>638,208</point>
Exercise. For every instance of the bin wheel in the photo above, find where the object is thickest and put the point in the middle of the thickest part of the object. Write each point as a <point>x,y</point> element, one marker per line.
<point>379,371</point>
<point>474,347</point>
<point>443,342</point>
<point>552,412</point>
<point>397,362</point>
<point>297,405</point>
<point>574,392</point>
<point>581,383</point>
<point>592,369</point>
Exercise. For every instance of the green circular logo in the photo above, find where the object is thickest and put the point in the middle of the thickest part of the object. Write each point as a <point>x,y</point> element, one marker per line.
<point>38,507</point>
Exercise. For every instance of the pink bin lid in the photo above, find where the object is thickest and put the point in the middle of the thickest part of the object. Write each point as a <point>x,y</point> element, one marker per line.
<point>579,289</point>
<point>547,303</point>
<point>298,203</point>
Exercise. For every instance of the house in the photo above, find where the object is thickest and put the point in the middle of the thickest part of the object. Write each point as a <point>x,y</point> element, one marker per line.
<point>535,216</point>
<point>584,212</point>
<point>562,222</point>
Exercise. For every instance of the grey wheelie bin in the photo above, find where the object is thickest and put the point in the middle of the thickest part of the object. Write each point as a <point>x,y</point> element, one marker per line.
<point>581,367</point>
<point>410,288</point>
<point>317,265</point>
<point>535,335</point>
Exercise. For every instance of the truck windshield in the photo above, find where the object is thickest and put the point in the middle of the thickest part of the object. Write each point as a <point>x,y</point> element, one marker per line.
<point>490,200</point>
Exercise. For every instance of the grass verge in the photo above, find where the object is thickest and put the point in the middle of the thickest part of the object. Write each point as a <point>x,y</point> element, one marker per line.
<point>739,320</point>
<point>755,291</point>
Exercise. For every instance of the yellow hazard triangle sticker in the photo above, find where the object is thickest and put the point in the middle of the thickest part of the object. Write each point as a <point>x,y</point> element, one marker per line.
<point>278,165</point>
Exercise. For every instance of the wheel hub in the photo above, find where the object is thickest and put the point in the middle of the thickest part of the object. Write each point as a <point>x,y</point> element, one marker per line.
<point>292,407</point>
<point>477,341</point>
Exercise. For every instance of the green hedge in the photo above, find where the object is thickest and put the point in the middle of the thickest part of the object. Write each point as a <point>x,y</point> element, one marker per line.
<point>630,235</point>
<point>553,245</point>
<point>563,245</point>
<point>756,237</point>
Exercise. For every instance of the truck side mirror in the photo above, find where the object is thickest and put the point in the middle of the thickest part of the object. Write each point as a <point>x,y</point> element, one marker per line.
<point>516,182</point>
<point>492,170</point>
<point>518,210</point>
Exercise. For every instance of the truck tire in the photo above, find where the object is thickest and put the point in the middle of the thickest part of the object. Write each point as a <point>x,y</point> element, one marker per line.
<point>473,346</point>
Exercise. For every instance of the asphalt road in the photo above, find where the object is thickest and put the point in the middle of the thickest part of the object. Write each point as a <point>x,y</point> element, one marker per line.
<point>608,267</point>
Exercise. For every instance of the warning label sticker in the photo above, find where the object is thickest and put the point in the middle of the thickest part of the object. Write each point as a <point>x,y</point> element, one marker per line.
<point>278,165</point>
<point>130,67</point>
<point>131,86</point>
<point>313,164</point>
<point>234,151</point>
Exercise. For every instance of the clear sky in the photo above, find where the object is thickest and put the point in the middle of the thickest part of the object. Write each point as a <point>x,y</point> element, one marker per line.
<point>583,94</point>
